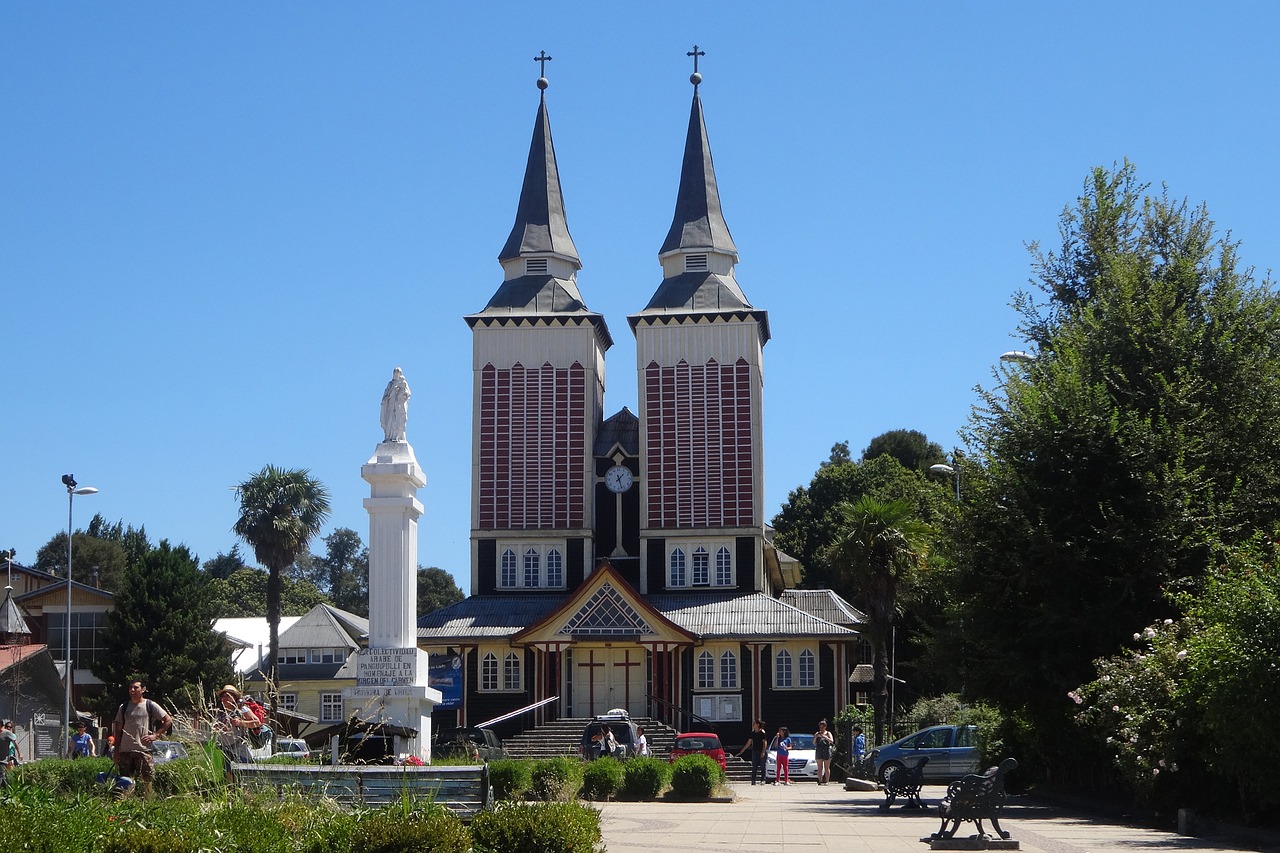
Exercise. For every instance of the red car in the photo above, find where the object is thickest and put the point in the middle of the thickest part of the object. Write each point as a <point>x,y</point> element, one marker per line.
<point>702,743</point>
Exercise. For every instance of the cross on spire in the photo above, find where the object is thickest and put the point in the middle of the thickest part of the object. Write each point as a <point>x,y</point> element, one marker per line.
<point>695,78</point>
<point>542,59</point>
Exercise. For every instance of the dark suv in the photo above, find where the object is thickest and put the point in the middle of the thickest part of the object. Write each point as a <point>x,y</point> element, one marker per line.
<point>624,732</point>
<point>476,744</point>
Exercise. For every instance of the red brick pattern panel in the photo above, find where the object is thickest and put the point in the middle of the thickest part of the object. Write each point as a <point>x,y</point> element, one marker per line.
<point>699,467</point>
<point>533,443</point>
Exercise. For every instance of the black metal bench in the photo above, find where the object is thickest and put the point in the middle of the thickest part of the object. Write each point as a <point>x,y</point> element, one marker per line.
<point>463,789</point>
<point>976,798</point>
<point>904,782</point>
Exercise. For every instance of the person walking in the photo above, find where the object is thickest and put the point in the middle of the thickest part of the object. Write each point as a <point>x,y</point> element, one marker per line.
<point>758,745</point>
<point>782,748</point>
<point>82,745</point>
<point>132,730</point>
<point>859,750</point>
<point>823,743</point>
<point>642,743</point>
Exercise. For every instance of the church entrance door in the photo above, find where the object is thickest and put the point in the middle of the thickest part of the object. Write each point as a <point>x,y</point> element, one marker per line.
<point>608,678</point>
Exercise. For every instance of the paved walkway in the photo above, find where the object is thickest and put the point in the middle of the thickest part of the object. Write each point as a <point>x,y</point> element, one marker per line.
<point>808,818</point>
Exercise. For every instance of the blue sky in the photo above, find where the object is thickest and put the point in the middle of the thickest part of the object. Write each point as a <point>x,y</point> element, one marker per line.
<point>222,225</point>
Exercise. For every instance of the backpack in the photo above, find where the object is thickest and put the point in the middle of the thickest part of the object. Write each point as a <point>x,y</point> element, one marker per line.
<point>258,737</point>
<point>258,711</point>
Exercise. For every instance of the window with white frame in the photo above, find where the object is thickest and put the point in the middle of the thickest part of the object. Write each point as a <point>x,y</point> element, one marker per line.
<point>808,670</point>
<point>782,669</point>
<point>533,565</point>
<point>728,670</point>
<point>331,707</point>
<point>289,701</point>
<point>328,655</point>
<point>511,672</point>
<point>706,671</point>
<point>489,671</point>
<point>690,564</point>
<point>292,656</point>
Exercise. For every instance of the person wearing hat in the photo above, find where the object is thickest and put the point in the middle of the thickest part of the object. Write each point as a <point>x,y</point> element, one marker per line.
<point>82,745</point>
<point>233,720</point>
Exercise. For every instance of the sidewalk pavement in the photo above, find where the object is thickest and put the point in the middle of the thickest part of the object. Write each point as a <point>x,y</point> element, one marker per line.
<point>809,818</point>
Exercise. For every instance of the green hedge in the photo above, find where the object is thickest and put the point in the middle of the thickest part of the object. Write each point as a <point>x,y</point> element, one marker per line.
<point>556,779</point>
<point>602,779</point>
<point>645,778</point>
<point>695,776</point>
<point>537,828</point>
<point>511,778</point>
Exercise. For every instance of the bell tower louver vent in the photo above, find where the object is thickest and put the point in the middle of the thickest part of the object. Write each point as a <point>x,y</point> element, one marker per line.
<point>535,266</point>
<point>695,263</point>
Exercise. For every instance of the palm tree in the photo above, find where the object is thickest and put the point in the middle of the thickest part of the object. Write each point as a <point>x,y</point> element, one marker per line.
<point>876,551</point>
<point>280,512</point>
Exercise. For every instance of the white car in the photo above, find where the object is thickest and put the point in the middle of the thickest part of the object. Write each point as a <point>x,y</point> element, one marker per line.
<point>167,750</point>
<point>801,761</point>
<point>292,747</point>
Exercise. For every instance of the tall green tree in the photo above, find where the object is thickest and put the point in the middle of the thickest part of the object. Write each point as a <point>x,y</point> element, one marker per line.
<point>161,630</point>
<point>89,554</point>
<point>912,448</point>
<point>222,565</point>
<point>280,512</point>
<point>243,593</point>
<point>344,571</point>
<point>1108,469</point>
<point>877,551</point>
<point>436,589</point>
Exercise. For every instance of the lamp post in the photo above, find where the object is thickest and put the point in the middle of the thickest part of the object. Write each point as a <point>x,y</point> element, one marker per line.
<point>1017,355</point>
<point>953,470</point>
<point>69,480</point>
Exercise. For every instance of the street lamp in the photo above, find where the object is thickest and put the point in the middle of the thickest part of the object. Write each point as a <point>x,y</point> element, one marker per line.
<point>69,480</point>
<point>1018,356</point>
<point>953,470</point>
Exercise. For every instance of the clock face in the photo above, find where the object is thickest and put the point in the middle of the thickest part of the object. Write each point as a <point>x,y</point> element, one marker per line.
<point>618,478</point>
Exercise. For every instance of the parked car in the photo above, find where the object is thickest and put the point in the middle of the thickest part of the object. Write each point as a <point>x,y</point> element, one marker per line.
<point>801,761</point>
<point>167,750</point>
<point>292,747</point>
<point>703,743</point>
<point>624,732</point>
<point>952,751</point>
<point>473,743</point>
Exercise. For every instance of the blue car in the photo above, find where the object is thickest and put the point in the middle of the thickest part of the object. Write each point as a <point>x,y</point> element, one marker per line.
<point>952,752</point>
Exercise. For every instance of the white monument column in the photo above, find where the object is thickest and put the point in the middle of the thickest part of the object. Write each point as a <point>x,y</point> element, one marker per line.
<point>392,673</point>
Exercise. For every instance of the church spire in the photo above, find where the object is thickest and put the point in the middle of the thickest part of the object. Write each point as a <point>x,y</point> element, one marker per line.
<point>541,229</point>
<point>698,224</point>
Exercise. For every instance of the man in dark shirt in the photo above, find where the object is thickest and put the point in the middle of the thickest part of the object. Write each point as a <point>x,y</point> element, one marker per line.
<point>757,743</point>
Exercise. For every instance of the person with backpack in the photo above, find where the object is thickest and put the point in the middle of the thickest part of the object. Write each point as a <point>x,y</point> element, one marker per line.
<point>139,723</point>
<point>234,720</point>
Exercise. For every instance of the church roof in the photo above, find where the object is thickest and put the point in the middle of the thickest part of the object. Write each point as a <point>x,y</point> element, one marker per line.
<point>698,222</point>
<point>540,227</point>
<point>711,615</point>
<point>619,430</point>
<point>825,604</point>
<point>12,620</point>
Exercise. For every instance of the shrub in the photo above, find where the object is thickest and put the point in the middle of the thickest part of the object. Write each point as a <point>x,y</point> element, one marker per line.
<point>537,828</point>
<point>695,776</point>
<point>645,778</point>
<point>555,779</point>
<point>395,829</point>
<point>602,779</point>
<point>510,778</point>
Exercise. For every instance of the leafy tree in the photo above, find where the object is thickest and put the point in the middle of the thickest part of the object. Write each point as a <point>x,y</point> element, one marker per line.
<point>839,453</point>
<point>280,511</point>
<point>225,565</point>
<point>876,551</point>
<point>243,593</point>
<point>88,554</point>
<point>436,589</point>
<point>1110,468</point>
<point>161,630</point>
<point>912,448</point>
<point>344,571</point>
<point>133,540</point>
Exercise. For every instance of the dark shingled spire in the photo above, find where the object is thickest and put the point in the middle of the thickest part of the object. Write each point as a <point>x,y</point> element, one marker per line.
<point>698,222</point>
<point>540,225</point>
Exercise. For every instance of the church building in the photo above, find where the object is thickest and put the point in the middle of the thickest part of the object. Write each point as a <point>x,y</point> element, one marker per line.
<point>626,561</point>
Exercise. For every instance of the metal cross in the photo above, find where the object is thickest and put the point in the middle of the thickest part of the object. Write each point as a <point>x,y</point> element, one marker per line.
<point>695,53</point>
<point>542,59</point>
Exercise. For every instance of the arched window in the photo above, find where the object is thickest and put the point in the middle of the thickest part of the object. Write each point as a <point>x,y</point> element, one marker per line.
<point>508,578</point>
<point>511,679</point>
<point>728,671</point>
<point>724,567</point>
<point>677,568</point>
<point>489,671</point>
<point>706,671</point>
<point>555,568</point>
<point>531,564</point>
<point>701,566</point>
<point>782,669</point>
<point>808,670</point>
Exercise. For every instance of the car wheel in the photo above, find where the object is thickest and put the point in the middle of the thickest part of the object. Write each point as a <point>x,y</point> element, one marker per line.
<point>888,769</point>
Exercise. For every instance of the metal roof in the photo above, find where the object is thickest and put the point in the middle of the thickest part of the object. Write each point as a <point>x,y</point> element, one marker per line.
<point>698,222</point>
<point>324,626</point>
<point>487,616</point>
<point>540,227</point>
<point>825,604</point>
<point>621,429</point>
<point>12,620</point>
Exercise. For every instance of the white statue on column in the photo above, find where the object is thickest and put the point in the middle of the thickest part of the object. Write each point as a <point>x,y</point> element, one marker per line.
<point>395,407</point>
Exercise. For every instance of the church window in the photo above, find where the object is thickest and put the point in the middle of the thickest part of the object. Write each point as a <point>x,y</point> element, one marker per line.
<point>511,673</point>
<point>555,568</point>
<point>531,561</point>
<point>677,568</point>
<point>701,566</point>
<point>808,671</point>
<point>508,578</point>
<point>729,671</point>
<point>706,671</point>
<point>489,672</point>
<point>782,669</point>
<point>724,567</point>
